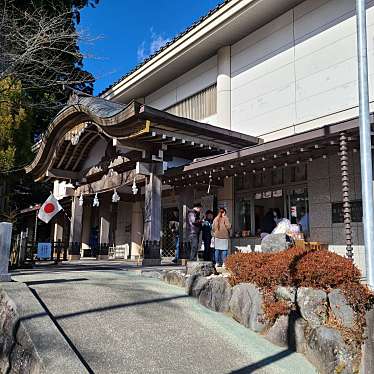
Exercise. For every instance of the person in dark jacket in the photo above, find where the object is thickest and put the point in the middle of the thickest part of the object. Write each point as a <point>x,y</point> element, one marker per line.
<point>207,235</point>
<point>267,224</point>
<point>194,228</point>
<point>174,228</point>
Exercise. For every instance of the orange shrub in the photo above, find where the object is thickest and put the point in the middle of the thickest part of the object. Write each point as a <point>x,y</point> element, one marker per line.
<point>297,267</point>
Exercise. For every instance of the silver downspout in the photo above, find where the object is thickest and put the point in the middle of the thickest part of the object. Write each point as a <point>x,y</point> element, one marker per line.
<point>365,142</point>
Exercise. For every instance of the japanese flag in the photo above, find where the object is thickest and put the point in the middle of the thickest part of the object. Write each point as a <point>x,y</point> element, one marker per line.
<point>49,209</point>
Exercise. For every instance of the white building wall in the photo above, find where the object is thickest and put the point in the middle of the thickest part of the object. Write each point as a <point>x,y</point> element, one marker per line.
<point>195,80</point>
<point>295,73</point>
<point>299,71</point>
<point>262,76</point>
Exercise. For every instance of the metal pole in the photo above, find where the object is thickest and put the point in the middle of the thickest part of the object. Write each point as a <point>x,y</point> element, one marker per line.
<point>365,142</point>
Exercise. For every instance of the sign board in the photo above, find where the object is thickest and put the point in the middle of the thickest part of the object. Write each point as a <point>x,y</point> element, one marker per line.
<point>44,251</point>
<point>277,193</point>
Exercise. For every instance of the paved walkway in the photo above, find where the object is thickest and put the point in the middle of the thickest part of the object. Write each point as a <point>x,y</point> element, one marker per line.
<point>121,322</point>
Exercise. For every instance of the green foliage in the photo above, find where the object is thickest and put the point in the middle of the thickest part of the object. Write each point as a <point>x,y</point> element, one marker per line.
<point>15,129</point>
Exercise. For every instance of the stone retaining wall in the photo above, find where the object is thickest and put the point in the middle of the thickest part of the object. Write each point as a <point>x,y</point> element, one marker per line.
<point>304,330</point>
<point>29,340</point>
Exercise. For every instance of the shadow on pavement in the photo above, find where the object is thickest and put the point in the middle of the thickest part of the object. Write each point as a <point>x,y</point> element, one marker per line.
<point>95,310</point>
<point>49,281</point>
<point>119,306</point>
<point>266,361</point>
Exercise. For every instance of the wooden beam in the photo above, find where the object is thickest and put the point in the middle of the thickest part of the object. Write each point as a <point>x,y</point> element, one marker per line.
<point>109,183</point>
<point>191,140</point>
<point>77,149</point>
<point>86,146</point>
<point>62,174</point>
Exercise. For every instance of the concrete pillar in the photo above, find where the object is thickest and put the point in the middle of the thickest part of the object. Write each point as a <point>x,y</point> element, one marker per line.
<point>224,87</point>
<point>136,230</point>
<point>5,240</point>
<point>75,229</point>
<point>152,220</point>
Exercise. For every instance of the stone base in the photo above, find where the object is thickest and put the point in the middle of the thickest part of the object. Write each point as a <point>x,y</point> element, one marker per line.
<point>5,278</point>
<point>74,257</point>
<point>102,257</point>
<point>151,262</point>
<point>205,267</point>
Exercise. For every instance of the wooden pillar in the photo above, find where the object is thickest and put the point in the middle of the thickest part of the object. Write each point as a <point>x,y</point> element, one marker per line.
<point>136,230</point>
<point>105,221</point>
<point>86,227</point>
<point>152,220</point>
<point>75,230</point>
<point>57,231</point>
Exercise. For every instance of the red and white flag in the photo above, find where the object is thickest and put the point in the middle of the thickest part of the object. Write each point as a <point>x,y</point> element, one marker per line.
<point>49,209</point>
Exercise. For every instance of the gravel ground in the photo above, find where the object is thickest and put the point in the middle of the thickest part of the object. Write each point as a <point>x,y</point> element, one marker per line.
<point>121,322</point>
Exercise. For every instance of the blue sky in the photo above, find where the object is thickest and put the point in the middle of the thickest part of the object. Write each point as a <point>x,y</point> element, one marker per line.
<point>128,31</point>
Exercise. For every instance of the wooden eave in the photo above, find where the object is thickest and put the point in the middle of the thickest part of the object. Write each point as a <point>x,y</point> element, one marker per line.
<point>134,125</point>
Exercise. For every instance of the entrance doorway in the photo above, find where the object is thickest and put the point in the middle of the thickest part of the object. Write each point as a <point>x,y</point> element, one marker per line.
<point>263,202</point>
<point>298,206</point>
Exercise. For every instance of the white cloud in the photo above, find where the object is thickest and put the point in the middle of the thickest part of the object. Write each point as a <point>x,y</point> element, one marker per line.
<point>141,51</point>
<point>156,41</point>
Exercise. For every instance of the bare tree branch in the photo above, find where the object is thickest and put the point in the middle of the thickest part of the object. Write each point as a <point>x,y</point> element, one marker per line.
<point>37,48</point>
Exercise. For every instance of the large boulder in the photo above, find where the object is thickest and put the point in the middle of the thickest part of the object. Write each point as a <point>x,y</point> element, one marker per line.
<point>312,304</point>
<point>216,294</point>
<point>326,350</point>
<point>246,306</point>
<point>174,277</point>
<point>204,268</point>
<point>367,361</point>
<point>341,310</point>
<point>274,243</point>
<point>195,284</point>
<point>288,331</point>
<point>278,334</point>
<point>286,293</point>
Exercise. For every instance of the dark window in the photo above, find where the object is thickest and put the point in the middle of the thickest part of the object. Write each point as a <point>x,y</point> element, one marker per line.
<point>356,212</point>
<point>258,180</point>
<point>277,176</point>
<point>243,182</point>
<point>298,173</point>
